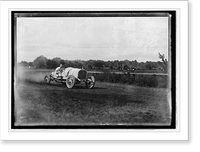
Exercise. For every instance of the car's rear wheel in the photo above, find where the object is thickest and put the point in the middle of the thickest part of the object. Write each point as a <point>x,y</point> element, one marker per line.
<point>47,79</point>
<point>90,82</point>
<point>70,81</point>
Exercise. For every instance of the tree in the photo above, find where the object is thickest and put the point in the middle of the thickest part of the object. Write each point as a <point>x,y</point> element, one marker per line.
<point>89,67</point>
<point>148,65</point>
<point>24,64</point>
<point>30,64</point>
<point>62,62</point>
<point>117,65</point>
<point>77,64</point>
<point>125,67</point>
<point>57,61</point>
<point>89,64</point>
<point>110,64</point>
<point>164,62</point>
<point>40,62</point>
<point>99,64</point>
<point>51,64</point>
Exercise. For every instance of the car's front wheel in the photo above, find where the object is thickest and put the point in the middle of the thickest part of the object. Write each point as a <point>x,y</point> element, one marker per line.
<point>90,82</point>
<point>70,81</point>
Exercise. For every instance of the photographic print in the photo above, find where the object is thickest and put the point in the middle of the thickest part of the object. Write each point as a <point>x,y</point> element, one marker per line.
<point>93,69</point>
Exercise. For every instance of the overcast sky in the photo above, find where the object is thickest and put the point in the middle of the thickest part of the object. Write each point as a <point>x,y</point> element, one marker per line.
<point>98,38</point>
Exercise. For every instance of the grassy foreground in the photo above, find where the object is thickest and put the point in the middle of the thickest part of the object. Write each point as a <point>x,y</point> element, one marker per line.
<point>39,104</point>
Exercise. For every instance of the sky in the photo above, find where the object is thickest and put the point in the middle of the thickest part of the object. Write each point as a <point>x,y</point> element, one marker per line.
<point>97,38</point>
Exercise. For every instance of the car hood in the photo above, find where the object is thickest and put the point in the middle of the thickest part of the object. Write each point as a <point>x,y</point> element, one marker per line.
<point>71,71</point>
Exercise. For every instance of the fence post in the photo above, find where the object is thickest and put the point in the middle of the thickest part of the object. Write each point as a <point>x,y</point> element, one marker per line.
<point>155,80</point>
<point>134,78</point>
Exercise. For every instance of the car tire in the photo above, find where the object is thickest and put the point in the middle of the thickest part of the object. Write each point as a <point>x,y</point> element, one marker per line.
<point>70,81</point>
<point>90,82</point>
<point>47,79</point>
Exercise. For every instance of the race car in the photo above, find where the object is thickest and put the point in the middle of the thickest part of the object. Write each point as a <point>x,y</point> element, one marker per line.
<point>71,76</point>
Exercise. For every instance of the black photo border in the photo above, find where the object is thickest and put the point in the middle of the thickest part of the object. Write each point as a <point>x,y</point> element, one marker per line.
<point>170,14</point>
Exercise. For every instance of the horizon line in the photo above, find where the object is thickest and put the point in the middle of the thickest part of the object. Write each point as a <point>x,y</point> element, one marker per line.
<point>93,60</point>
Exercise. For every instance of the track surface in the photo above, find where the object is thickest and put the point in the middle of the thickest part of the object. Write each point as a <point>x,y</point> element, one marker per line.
<point>37,103</point>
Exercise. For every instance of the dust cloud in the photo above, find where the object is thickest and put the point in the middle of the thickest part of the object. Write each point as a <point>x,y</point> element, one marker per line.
<point>23,74</point>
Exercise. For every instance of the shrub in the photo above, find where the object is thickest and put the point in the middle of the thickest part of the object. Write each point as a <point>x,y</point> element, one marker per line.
<point>148,81</point>
<point>139,80</point>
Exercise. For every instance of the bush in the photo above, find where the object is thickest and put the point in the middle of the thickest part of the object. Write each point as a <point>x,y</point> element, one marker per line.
<point>139,80</point>
<point>149,81</point>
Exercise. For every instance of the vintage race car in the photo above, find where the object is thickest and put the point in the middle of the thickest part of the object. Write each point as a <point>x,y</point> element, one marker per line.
<point>71,76</point>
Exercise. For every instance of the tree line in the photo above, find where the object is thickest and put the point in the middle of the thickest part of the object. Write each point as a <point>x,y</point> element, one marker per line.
<point>42,62</point>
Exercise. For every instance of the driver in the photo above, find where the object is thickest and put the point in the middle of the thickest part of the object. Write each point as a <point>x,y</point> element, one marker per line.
<point>59,70</point>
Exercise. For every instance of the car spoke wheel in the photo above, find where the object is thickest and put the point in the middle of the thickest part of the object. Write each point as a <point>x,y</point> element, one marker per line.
<point>47,79</point>
<point>90,82</point>
<point>70,81</point>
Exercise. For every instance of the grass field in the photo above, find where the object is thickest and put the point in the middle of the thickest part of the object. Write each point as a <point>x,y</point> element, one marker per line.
<point>37,103</point>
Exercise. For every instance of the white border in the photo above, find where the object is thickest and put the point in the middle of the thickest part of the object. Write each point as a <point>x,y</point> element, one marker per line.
<point>181,133</point>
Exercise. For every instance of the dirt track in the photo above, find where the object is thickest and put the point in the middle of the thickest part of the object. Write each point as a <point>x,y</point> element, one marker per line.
<point>40,104</point>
